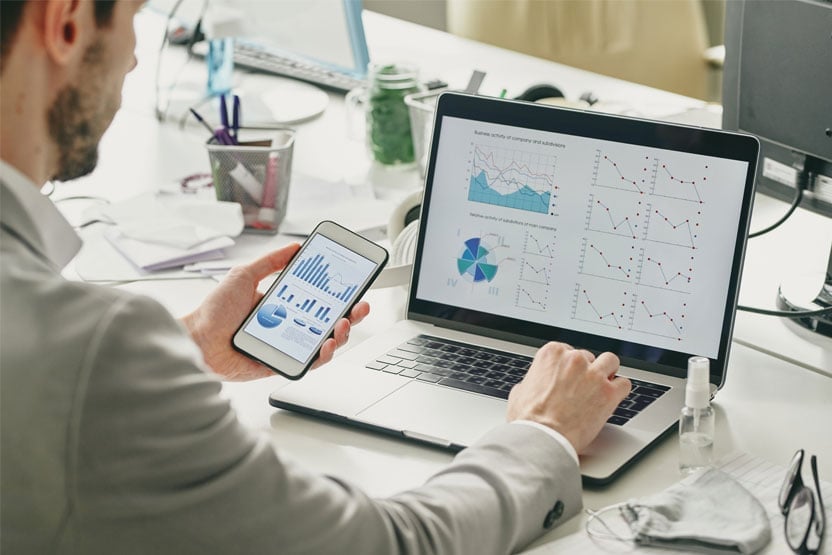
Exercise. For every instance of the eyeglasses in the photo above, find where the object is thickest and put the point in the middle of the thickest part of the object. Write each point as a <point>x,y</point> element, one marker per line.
<point>803,508</point>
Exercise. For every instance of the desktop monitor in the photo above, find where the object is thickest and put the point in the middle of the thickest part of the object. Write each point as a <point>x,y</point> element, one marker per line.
<point>776,85</point>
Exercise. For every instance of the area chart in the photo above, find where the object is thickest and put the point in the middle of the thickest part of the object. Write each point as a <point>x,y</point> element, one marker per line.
<point>512,179</point>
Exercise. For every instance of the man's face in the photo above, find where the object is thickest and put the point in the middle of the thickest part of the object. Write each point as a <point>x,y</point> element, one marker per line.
<point>84,108</point>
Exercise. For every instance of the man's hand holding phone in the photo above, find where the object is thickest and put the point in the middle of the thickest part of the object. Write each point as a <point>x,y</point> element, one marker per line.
<point>291,326</point>
<point>218,317</point>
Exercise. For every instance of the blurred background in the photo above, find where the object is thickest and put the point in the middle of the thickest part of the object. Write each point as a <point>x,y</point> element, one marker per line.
<point>673,45</point>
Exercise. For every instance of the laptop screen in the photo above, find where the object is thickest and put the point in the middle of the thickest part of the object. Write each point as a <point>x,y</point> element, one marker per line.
<point>609,233</point>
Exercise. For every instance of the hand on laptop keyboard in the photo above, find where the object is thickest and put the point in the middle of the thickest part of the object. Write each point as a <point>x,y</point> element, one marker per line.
<point>569,390</point>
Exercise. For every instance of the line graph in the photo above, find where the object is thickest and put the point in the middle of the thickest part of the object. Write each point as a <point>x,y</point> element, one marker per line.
<point>606,306</point>
<point>532,296</point>
<point>671,269</point>
<point>512,179</point>
<point>539,245</point>
<point>534,272</point>
<point>670,183</point>
<point>661,315</point>
<point>608,172</point>
<point>610,258</point>
<point>673,226</point>
<point>616,216</point>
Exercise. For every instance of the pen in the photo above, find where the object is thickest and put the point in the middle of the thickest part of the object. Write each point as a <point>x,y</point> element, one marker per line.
<point>201,120</point>
<point>223,112</point>
<point>235,118</point>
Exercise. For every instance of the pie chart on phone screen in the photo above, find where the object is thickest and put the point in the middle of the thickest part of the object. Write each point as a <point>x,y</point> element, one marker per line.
<point>271,315</point>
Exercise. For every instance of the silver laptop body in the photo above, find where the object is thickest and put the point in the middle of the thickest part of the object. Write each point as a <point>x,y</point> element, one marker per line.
<point>542,223</point>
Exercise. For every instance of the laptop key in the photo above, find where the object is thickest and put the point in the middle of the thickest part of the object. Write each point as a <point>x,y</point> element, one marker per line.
<point>617,420</point>
<point>407,355</point>
<point>392,369</point>
<point>638,403</point>
<point>421,367</point>
<point>475,388</point>
<point>649,392</point>
<point>386,359</point>
<point>409,373</point>
<point>407,363</point>
<point>626,413</point>
<point>373,365</point>
<point>428,377</point>
<point>411,348</point>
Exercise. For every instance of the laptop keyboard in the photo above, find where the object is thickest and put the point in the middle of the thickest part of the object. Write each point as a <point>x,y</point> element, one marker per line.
<point>485,371</point>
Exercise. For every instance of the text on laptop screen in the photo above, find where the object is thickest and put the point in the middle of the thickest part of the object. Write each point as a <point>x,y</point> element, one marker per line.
<point>613,239</point>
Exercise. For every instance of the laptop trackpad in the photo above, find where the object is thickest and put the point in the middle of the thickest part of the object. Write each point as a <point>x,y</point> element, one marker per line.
<point>438,412</point>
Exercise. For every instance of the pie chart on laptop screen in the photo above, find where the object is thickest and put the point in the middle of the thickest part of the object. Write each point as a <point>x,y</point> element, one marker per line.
<point>271,315</point>
<point>476,262</point>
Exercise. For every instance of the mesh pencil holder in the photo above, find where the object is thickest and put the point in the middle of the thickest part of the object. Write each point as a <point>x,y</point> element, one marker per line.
<point>256,174</point>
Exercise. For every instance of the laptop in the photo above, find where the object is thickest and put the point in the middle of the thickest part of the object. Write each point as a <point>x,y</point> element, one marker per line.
<point>543,224</point>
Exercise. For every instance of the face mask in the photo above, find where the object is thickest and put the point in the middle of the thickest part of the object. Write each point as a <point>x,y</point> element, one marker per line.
<point>707,512</point>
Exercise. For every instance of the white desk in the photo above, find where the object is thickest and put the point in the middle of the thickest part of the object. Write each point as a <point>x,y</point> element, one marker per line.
<point>769,406</point>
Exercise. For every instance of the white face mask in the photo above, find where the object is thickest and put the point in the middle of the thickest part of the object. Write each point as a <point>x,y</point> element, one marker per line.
<point>707,512</point>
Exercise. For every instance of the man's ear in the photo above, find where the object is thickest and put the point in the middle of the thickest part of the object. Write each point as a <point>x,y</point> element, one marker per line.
<point>63,22</point>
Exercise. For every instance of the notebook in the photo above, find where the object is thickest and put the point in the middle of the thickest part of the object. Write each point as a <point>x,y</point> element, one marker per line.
<point>541,223</point>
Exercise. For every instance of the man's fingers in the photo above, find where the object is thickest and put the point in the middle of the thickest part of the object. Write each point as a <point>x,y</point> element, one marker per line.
<point>342,332</point>
<point>359,312</point>
<point>607,363</point>
<point>272,262</point>
<point>622,387</point>
<point>326,353</point>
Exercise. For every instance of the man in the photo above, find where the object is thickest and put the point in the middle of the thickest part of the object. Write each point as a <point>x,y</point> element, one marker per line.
<point>114,436</point>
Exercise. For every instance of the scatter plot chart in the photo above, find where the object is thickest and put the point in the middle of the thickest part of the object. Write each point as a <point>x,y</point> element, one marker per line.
<point>602,304</point>
<point>674,223</point>
<point>532,296</point>
<point>610,258</point>
<point>668,268</point>
<point>680,181</point>
<point>616,213</point>
<point>622,173</point>
<point>660,314</point>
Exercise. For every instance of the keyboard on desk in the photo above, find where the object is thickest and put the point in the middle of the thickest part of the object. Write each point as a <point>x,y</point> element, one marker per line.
<point>485,371</point>
<point>257,57</point>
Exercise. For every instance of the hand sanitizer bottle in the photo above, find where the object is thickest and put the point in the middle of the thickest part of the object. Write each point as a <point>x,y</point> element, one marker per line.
<point>696,424</point>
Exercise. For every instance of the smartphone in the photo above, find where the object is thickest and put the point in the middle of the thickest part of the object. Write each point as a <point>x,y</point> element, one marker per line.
<point>324,280</point>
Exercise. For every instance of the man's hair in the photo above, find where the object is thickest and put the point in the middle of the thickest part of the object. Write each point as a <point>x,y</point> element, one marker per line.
<point>11,14</point>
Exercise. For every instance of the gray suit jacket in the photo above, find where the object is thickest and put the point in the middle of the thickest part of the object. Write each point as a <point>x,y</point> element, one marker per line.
<point>115,440</point>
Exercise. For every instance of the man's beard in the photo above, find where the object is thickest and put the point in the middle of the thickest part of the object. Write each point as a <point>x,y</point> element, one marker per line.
<point>77,121</point>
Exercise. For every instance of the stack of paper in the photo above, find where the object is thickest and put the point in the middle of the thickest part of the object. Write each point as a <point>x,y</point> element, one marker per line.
<point>156,256</point>
<point>155,234</point>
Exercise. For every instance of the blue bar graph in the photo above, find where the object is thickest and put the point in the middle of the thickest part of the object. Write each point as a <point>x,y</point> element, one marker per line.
<point>314,270</point>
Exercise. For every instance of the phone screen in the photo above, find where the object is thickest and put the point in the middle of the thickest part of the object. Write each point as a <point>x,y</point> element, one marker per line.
<point>300,311</point>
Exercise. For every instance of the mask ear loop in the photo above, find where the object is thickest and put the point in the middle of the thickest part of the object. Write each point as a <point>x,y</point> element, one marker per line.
<point>610,534</point>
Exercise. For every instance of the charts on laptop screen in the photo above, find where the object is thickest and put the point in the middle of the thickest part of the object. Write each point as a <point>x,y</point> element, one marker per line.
<point>617,240</point>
